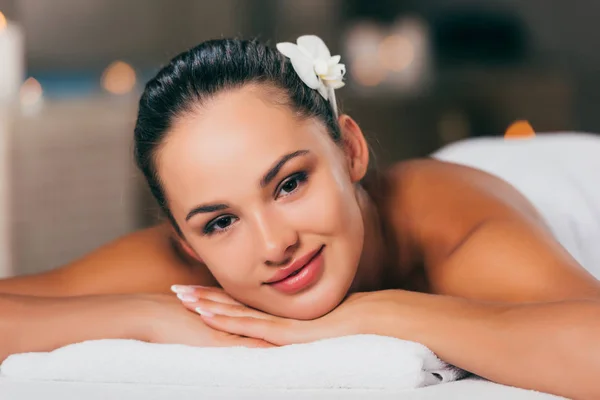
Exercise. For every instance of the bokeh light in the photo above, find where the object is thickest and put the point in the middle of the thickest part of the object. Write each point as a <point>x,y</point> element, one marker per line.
<point>519,129</point>
<point>367,72</point>
<point>30,93</point>
<point>396,52</point>
<point>3,22</point>
<point>119,78</point>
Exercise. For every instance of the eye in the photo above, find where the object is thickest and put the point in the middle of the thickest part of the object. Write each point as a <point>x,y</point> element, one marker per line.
<point>219,224</point>
<point>291,184</point>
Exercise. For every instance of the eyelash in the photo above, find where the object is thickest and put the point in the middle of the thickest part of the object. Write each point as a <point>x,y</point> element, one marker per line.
<point>300,177</point>
<point>209,229</point>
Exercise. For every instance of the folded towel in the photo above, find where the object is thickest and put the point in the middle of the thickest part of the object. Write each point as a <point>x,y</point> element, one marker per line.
<point>352,362</point>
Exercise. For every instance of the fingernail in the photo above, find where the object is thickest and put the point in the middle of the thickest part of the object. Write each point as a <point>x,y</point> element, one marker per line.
<point>182,289</point>
<point>186,297</point>
<point>204,313</point>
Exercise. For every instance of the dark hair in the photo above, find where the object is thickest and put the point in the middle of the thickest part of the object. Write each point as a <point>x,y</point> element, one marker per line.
<point>197,75</point>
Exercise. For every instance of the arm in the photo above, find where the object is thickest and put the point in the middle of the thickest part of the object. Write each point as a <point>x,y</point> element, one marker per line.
<point>33,324</point>
<point>523,311</point>
<point>548,347</point>
<point>113,293</point>
<point>30,324</point>
<point>144,261</point>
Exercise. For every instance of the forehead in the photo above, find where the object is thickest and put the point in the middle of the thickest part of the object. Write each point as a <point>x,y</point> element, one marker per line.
<point>238,135</point>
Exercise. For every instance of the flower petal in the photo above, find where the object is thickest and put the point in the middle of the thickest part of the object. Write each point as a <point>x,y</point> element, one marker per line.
<point>323,91</point>
<point>302,64</point>
<point>335,72</point>
<point>341,69</point>
<point>334,60</point>
<point>306,72</point>
<point>321,67</point>
<point>288,49</point>
<point>335,84</point>
<point>315,46</point>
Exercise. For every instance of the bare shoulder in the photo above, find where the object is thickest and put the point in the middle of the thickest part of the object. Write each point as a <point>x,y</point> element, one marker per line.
<point>479,237</point>
<point>144,261</point>
<point>432,196</point>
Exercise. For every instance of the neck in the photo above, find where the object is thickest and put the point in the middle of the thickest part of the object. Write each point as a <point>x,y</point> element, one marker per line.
<point>371,268</point>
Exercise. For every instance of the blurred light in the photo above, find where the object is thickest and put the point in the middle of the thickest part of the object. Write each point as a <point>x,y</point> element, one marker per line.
<point>453,126</point>
<point>30,93</point>
<point>519,129</point>
<point>3,22</point>
<point>363,40</point>
<point>362,45</point>
<point>367,72</point>
<point>118,78</point>
<point>396,52</point>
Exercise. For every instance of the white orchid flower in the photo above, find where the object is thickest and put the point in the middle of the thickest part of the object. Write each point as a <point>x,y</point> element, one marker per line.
<point>314,64</point>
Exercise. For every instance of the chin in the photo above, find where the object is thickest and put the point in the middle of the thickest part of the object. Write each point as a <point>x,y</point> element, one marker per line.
<point>315,302</point>
<point>316,310</point>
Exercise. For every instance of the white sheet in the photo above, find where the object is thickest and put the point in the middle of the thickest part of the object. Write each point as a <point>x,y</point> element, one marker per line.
<point>471,388</point>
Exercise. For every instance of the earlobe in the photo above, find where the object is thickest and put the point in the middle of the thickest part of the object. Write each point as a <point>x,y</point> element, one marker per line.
<point>355,147</point>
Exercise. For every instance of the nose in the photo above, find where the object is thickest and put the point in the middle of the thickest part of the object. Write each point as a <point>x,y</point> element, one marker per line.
<point>278,239</point>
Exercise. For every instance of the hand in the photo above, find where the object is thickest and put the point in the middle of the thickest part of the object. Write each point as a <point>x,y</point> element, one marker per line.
<point>221,312</point>
<point>164,320</point>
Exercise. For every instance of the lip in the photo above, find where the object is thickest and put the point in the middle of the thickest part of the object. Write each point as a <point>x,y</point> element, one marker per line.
<point>296,265</point>
<point>304,277</point>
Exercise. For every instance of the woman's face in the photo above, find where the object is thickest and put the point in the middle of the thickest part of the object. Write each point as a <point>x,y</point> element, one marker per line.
<point>260,194</point>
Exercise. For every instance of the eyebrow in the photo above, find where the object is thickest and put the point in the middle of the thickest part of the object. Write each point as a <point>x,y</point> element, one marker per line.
<point>208,208</point>
<point>274,170</point>
<point>266,179</point>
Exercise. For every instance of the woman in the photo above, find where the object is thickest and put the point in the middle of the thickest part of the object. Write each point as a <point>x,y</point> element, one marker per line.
<point>262,184</point>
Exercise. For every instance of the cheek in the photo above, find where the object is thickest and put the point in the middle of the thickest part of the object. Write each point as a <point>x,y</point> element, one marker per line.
<point>232,269</point>
<point>331,207</point>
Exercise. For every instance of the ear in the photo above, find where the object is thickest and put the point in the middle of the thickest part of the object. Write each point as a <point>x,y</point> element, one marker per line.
<point>184,246</point>
<point>355,147</point>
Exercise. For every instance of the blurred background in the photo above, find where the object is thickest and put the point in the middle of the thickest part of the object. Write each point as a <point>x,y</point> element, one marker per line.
<point>421,74</point>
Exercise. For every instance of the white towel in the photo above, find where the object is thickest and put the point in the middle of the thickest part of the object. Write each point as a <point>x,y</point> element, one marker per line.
<point>351,362</point>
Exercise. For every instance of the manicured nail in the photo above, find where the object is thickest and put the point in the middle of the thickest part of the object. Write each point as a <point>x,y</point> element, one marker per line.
<point>186,298</point>
<point>182,289</point>
<point>204,313</point>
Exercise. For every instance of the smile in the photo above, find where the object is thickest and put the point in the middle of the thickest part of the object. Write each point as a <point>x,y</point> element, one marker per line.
<point>301,274</point>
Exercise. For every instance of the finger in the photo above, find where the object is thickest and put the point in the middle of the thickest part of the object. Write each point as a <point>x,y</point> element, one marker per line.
<point>241,326</point>
<point>193,293</point>
<point>270,331</point>
<point>213,293</point>
<point>252,342</point>
<point>207,307</point>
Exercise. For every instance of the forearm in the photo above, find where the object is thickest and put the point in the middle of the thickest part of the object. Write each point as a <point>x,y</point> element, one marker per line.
<point>550,347</point>
<point>29,324</point>
<point>147,261</point>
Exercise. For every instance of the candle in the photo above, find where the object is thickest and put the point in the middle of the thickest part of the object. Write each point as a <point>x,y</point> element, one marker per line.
<point>11,59</point>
